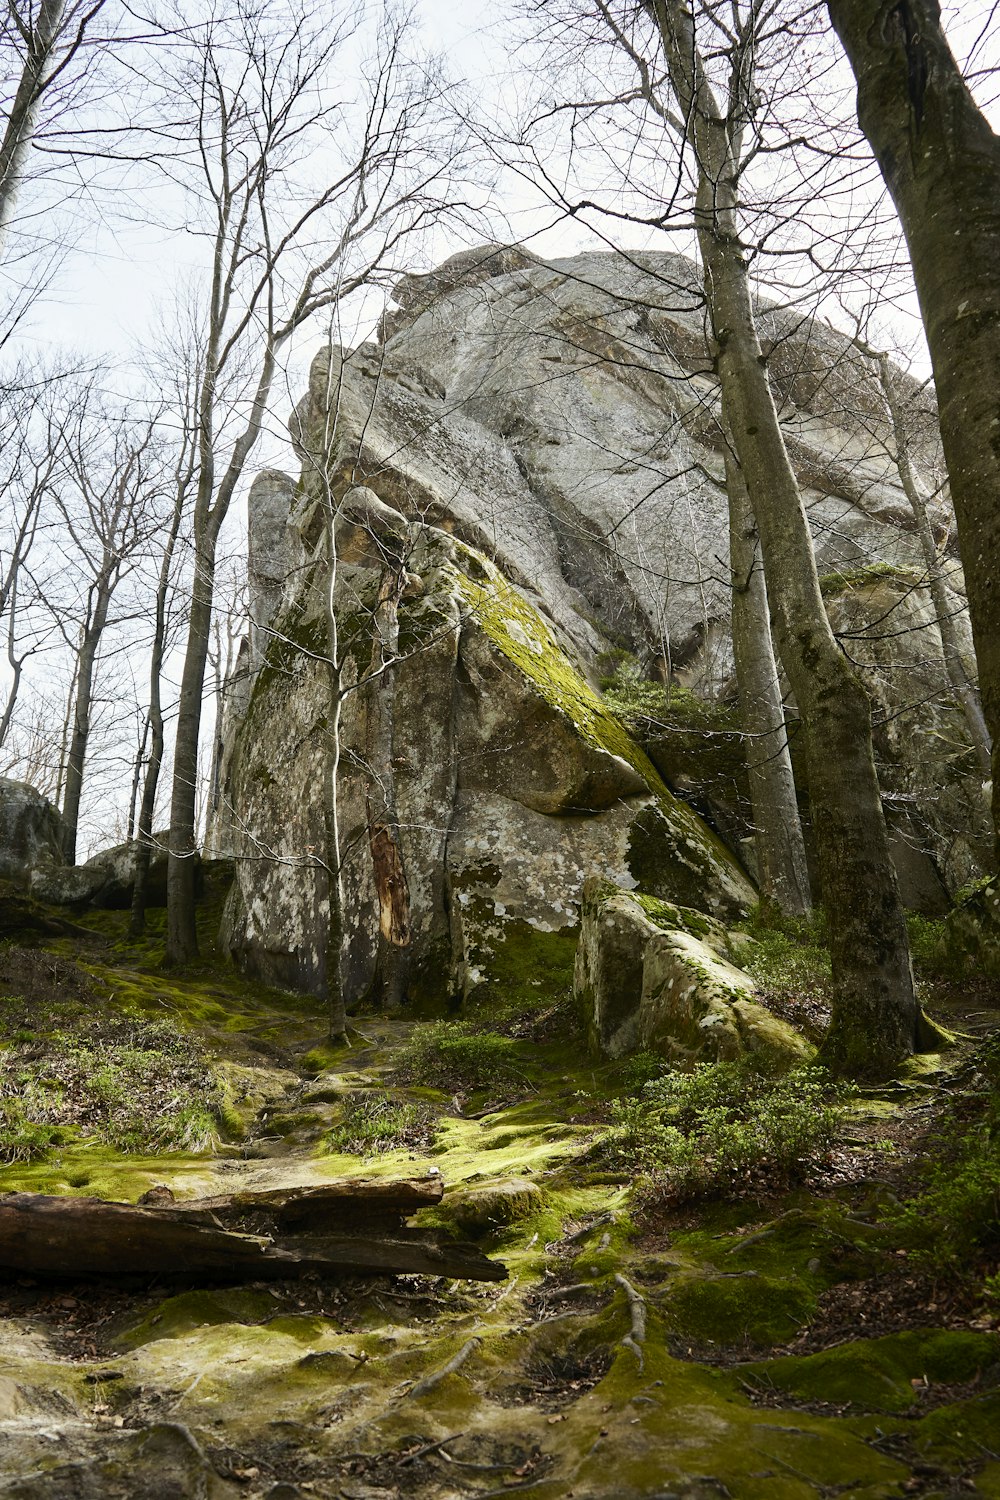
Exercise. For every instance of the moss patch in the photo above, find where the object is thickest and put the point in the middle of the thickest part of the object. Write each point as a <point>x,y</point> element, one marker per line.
<point>884,1374</point>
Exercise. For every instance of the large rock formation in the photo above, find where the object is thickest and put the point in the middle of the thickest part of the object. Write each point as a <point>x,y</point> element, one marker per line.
<point>526,476</point>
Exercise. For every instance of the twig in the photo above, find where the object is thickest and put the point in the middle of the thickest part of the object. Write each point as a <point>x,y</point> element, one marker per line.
<point>636,1336</point>
<point>455,1363</point>
<point>410,1458</point>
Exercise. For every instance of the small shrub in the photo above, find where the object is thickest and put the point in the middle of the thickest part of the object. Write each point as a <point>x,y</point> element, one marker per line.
<point>698,1133</point>
<point>453,1055</point>
<point>374,1123</point>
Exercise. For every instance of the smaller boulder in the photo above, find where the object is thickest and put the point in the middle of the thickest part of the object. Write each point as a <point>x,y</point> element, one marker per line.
<point>655,976</point>
<point>31,830</point>
<point>483,1210</point>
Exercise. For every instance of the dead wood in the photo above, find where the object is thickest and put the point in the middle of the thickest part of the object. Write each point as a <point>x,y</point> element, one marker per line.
<point>352,1227</point>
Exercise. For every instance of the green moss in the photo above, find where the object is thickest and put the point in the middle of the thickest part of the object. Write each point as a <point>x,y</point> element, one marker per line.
<point>177,1316</point>
<point>666,915</point>
<point>520,634</point>
<point>523,970</point>
<point>883,1374</point>
<point>738,1307</point>
<point>850,579</point>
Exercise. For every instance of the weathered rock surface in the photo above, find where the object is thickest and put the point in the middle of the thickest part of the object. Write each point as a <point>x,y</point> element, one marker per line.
<point>657,977</point>
<point>106,880</point>
<point>533,453</point>
<point>30,830</point>
<point>511,781</point>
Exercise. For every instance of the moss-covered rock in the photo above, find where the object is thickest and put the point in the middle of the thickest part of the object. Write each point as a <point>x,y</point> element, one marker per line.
<point>495,1205</point>
<point>652,976</point>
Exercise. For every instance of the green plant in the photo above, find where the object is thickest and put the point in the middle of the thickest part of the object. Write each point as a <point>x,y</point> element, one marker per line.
<point>454,1055</point>
<point>952,1222</point>
<point>375,1122</point>
<point>697,1133</point>
<point>131,1084</point>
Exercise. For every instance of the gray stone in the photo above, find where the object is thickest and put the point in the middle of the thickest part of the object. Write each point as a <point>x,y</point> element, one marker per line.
<point>30,830</point>
<point>537,447</point>
<point>658,978</point>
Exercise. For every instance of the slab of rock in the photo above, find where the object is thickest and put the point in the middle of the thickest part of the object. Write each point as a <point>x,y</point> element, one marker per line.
<point>654,977</point>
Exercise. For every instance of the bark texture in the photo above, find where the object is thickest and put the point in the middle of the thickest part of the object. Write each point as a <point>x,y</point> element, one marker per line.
<point>876,1021</point>
<point>783,874</point>
<point>941,163</point>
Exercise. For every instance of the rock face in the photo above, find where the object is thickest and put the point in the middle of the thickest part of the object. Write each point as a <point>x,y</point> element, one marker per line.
<point>654,976</point>
<point>511,782</point>
<point>525,477</point>
<point>30,830</point>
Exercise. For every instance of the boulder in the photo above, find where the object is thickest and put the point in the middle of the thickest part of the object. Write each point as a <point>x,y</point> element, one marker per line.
<point>656,977</point>
<point>971,941</point>
<point>484,1210</point>
<point>534,453</point>
<point>106,880</point>
<point>31,830</point>
<point>511,781</point>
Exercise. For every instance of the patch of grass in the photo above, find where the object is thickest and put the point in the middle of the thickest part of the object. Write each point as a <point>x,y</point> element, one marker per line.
<point>134,1085</point>
<point>455,1056</point>
<point>375,1122</point>
<point>697,1134</point>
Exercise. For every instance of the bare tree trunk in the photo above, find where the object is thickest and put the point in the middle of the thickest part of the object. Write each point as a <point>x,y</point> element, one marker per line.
<point>388,866</point>
<point>150,786</point>
<point>131,822</point>
<point>941,162</point>
<point>781,852</point>
<point>333,860</point>
<point>20,129</point>
<point>963,689</point>
<point>876,1021</point>
<point>182,931</point>
<point>81,721</point>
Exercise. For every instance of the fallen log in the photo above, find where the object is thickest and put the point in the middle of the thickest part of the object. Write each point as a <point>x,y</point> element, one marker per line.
<point>50,1236</point>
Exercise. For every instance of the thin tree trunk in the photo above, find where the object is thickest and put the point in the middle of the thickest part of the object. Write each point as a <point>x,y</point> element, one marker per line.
<point>150,786</point>
<point>875,1020</point>
<point>182,932</point>
<point>336,999</point>
<point>941,163</point>
<point>781,851</point>
<point>81,720</point>
<point>131,823</point>
<point>388,865</point>
<point>964,691</point>
<point>20,129</point>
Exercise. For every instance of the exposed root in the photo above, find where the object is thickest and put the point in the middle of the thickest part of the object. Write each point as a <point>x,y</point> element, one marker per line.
<point>456,1362</point>
<point>636,1336</point>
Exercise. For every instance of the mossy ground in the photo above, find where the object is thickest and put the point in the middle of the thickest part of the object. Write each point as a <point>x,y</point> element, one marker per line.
<point>744,1384</point>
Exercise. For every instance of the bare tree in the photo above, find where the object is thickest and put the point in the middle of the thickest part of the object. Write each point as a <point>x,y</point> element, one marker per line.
<point>110,482</point>
<point>42,47</point>
<point>940,160</point>
<point>303,202</point>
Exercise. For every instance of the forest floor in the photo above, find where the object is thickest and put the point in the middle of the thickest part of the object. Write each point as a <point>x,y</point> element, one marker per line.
<point>777,1339</point>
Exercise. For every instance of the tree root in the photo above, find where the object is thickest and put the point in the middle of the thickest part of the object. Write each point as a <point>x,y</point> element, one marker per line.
<point>636,1336</point>
<point>456,1362</point>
